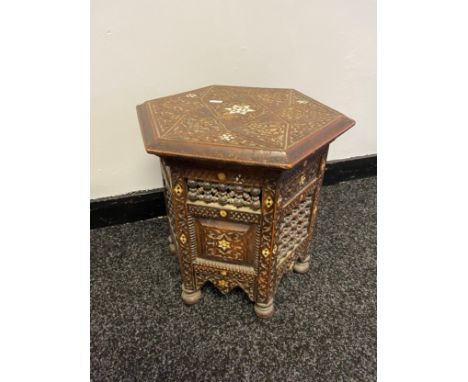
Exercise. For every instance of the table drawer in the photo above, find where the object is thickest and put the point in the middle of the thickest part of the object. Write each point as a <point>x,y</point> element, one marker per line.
<point>226,241</point>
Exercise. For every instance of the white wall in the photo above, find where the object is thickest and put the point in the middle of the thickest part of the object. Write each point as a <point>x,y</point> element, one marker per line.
<point>144,49</point>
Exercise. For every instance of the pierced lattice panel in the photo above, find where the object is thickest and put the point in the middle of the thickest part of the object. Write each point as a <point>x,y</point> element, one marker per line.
<point>294,226</point>
<point>223,194</point>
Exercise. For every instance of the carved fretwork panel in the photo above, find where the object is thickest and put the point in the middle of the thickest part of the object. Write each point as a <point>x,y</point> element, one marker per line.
<point>224,194</point>
<point>294,226</point>
<point>298,214</point>
<point>287,262</point>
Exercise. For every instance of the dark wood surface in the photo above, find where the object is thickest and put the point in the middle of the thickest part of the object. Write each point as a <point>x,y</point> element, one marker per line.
<point>243,125</point>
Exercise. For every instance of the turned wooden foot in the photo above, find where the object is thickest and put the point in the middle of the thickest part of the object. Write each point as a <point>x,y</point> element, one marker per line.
<point>264,310</point>
<point>302,266</point>
<point>172,248</point>
<point>191,297</point>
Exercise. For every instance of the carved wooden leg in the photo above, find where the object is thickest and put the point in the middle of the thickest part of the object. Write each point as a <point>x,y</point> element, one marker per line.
<point>302,266</point>
<point>191,297</point>
<point>172,248</point>
<point>264,310</point>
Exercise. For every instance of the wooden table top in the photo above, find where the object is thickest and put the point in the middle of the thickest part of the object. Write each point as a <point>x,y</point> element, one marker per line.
<point>245,125</point>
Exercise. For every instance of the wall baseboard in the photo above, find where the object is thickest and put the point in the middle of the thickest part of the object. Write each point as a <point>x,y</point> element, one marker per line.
<point>348,169</point>
<point>142,205</point>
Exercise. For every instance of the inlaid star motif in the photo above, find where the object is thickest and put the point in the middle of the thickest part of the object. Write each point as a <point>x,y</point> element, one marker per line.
<point>191,95</point>
<point>224,244</point>
<point>226,137</point>
<point>239,109</point>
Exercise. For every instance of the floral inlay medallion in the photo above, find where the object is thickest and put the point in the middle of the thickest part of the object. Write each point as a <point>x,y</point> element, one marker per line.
<point>239,109</point>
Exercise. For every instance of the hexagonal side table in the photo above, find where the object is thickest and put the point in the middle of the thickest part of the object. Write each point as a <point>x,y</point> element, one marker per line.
<point>242,168</point>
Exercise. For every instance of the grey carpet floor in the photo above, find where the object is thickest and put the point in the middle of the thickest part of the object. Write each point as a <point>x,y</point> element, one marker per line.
<point>324,327</point>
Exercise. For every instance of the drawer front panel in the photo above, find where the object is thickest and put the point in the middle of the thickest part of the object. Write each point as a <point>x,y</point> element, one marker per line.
<point>225,241</point>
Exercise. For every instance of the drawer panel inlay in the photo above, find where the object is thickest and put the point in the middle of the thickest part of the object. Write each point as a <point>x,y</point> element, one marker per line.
<point>225,241</point>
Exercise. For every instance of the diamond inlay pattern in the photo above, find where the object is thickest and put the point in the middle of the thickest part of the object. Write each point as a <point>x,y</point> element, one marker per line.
<point>240,117</point>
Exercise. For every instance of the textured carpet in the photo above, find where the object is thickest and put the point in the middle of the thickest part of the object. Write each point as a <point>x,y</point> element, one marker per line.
<point>324,327</point>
